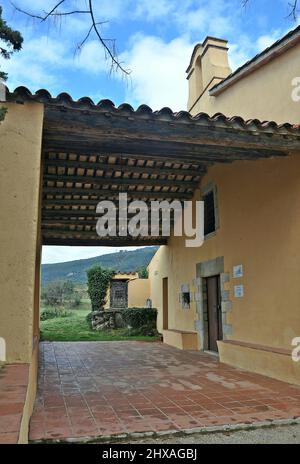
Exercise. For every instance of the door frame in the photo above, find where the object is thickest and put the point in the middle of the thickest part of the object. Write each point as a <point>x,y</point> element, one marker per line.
<point>214,317</point>
<point>206,269</point>
<point>165,302</point>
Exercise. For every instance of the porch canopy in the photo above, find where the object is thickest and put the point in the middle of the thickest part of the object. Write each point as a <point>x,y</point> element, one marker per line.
<point>92,152</point>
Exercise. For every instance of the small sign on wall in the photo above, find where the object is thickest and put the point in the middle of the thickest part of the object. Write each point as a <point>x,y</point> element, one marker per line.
<point>239,291</point>
<point>238,271</point>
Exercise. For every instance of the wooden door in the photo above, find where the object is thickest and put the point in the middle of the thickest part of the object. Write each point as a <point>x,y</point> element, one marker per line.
<point>214,312</point>
<point>165,292</point>
<point>118,294</point>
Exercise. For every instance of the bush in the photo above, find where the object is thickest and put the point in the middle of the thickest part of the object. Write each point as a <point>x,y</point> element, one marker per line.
<point>147,330</point>
<point>52,313</point>
<point>98,282</point>
<point>140,319</point>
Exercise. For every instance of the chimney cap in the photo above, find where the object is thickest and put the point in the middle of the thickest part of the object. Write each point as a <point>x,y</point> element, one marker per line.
<point>209,40</point>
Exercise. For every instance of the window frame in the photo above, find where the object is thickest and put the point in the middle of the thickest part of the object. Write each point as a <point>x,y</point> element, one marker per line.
<point>212,188</point>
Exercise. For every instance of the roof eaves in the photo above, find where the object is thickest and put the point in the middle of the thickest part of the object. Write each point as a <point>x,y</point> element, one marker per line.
<point>276,49</point>
<point>64,100</point>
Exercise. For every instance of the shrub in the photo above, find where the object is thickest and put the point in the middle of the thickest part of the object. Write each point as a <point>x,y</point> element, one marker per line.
<point>98,282</point>
<point>51,313</point>
<point>136,318</point>
<point>147,330</point>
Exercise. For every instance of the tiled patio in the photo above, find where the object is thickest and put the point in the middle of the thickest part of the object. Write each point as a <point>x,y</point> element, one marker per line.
<point>13,388</point>
<point>91,389</point>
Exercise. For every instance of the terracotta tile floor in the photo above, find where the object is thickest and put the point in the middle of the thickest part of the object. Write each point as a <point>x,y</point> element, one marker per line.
<point>89,389</point>
<point>13,388</point>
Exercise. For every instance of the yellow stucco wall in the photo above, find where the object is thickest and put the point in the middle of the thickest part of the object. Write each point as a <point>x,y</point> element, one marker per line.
<point>280,366</point>
<point>259,216</point>
<point>259,213</point>
<point>264,94</point>
<point>30,395</point>
<point>20,168</point>
<point>138,293</point>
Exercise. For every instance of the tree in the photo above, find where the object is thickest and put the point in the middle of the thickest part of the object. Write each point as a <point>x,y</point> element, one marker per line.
<point>292,5</point>
<point>58,293</point>
<point>11,41</point>
<point>98,282</point>
<point>60,10</point>
<point>143,272</point>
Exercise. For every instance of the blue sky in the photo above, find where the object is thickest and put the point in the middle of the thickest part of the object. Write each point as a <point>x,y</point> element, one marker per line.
<point>154,40</point>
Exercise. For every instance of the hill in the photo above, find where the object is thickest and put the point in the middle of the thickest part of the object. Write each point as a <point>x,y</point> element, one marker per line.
<point>124,261</point>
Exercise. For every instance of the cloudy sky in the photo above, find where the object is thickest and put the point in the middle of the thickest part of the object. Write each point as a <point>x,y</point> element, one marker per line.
<point>154,39</point>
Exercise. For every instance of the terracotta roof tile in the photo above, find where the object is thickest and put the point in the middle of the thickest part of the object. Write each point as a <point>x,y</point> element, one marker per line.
<point>22,94</point>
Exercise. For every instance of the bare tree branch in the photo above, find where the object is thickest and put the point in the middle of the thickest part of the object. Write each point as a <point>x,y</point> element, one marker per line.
<point>293,6</point>
<point>294,10</point>
<point>109,45</point>
<point>115,63</point>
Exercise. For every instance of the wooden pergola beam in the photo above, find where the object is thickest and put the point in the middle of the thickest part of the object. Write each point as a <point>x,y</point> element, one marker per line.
<point>105,194</point>
<point>97,180</point>
<point>193,172</point>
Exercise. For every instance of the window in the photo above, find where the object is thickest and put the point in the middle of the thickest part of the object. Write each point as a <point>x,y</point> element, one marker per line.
<point>209,212</point>
<point>185,296</point>
<point>186,300</point>
<point>119,294</point>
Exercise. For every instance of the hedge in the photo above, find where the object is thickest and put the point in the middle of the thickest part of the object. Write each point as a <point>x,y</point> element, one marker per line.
<point>135,318</point>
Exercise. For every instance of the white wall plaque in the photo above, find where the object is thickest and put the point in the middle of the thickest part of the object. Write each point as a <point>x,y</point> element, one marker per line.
<point>238,271</point>
<point>239,291</point>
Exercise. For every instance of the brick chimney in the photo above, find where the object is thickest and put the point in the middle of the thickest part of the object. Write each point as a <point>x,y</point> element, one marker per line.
<point>208,66</point>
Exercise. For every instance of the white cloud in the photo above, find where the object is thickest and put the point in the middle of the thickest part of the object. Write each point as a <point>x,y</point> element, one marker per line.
<point>153,10</point>
<point>265,41</point>
<point>36,64</point>
<point>211,18</point>
<point>158,71</point>
<point>247,48</point>
<point>92,58</point>
<point>110,9</point>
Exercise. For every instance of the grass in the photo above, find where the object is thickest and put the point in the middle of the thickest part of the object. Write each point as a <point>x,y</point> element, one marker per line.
<point>75,328</point>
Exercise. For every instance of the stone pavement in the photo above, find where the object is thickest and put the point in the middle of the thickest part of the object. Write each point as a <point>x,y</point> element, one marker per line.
<point>97,389</point>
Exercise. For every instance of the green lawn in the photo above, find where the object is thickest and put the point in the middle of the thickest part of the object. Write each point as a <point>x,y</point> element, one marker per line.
<point>75,328</point>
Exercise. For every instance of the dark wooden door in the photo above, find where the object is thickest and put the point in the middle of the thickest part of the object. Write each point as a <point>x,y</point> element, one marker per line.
<point>214,312</point>
<point>165,303</point>
<point>118,294</point>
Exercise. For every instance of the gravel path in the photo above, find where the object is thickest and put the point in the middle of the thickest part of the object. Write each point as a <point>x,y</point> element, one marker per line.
<point>279,434</point>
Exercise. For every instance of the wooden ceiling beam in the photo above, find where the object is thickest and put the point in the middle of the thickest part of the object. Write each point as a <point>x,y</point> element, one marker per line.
<point>107,194</point>
<point>159,170</point>
<point>97,180</point>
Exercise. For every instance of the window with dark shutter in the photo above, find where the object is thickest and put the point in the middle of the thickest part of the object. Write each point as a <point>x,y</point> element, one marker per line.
<point>209,213</point>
